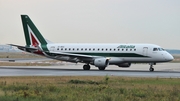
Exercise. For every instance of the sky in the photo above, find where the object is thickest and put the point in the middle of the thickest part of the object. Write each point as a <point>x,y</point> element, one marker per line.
<point>94,21</point>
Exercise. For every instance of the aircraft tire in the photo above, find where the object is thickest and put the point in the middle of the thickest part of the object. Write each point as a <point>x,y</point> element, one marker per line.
<point>151,69</point>
<point>101,68</point>
<point>86,67</point>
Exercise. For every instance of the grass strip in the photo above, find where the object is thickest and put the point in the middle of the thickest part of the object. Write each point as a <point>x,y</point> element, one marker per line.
<point>88,88</point>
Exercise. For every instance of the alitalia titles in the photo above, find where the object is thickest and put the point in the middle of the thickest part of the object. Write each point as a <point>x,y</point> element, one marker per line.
<point>126,46</point>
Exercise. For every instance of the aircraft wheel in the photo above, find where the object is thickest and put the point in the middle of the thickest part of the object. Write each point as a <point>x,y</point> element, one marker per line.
<point>101,68</point>
<point>151,69</point>
<point>86,67</point>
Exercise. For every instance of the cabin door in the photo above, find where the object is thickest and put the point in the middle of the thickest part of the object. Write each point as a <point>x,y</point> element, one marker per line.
<point>145,51</point>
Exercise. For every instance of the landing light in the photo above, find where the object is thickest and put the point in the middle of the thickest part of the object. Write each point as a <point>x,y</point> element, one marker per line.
<point>108,58</point>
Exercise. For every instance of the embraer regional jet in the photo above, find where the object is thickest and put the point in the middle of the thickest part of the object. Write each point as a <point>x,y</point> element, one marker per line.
<point>99,55</point>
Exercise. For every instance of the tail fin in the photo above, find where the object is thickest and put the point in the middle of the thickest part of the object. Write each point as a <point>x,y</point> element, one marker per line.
<point>32,35</point>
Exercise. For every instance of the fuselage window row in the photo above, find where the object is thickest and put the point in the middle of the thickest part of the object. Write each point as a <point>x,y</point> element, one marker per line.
<point>95,49</point>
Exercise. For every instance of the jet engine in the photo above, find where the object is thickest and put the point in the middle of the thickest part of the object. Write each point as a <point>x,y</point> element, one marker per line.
<point>124,65</point>
<point>101,62</point>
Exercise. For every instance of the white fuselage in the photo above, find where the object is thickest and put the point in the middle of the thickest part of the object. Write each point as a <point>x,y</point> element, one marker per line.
<point>118,53</point>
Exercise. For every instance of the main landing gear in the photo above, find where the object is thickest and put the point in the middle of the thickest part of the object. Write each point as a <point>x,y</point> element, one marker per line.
<point>101,68</point>
<point>86,67</point>
<point>151,67</point>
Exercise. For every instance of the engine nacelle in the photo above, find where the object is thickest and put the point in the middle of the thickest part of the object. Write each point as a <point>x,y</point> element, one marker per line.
<point>101,62</point>
<point>124,65</point>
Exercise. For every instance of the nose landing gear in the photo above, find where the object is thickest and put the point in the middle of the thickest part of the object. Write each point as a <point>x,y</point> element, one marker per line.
<point>151,66</point>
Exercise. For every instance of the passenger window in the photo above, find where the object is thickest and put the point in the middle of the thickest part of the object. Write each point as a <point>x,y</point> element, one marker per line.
<point>134,49</point>
<point>126,49</point>
<point>114,49</point>
<point>130,49</point>
<point>69,48</point>
<point>93,49</point>
<point>155,49</point>
<point>122,49</point>
<point>89,48</point>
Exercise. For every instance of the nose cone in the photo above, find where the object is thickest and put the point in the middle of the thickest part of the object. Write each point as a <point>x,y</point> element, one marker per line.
<point>169,57</point>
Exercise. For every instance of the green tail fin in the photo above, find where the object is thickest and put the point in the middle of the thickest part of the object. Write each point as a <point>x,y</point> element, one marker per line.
<point>32,35</point>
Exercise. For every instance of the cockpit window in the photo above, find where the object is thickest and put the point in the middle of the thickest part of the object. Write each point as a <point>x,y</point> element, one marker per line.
<point>159,49</point>
<point>155,49</point>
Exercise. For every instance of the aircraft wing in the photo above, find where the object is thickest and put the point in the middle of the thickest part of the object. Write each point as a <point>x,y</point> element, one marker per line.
<point>71,57</point>
<point>63,56</point>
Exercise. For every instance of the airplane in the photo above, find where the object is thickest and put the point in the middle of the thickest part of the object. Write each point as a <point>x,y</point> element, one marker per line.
<point>99,55</point>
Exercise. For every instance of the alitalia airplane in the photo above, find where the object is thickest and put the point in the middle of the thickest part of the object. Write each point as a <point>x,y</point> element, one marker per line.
<point>99,55</point>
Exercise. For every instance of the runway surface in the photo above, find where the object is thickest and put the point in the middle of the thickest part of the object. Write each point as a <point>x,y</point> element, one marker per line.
<point>165,70</point>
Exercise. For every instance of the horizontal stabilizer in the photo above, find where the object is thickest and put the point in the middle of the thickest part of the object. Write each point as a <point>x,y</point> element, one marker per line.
<point>29,49</point>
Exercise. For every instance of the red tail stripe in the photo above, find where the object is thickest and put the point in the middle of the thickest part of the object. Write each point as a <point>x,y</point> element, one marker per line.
<point>34,41</point>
